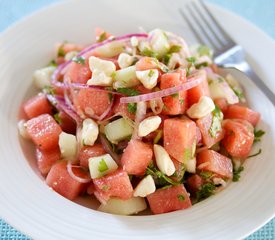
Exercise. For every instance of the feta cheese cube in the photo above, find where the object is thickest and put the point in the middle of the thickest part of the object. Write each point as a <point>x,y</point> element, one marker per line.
<point>89,132</point>
<point>202,108</point>
<point>149,78</point>
<point>125,60</point>
<point>68,145</point>
<point>145,187</point>
<point>42,77</point>
<point>148,125</point>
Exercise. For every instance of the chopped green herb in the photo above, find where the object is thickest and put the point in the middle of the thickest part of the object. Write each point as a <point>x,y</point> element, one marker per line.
<point>158,175</point>
<point>61,52</point>
<point>128,91</point>
<point>175,95</point>
<point>256,154</point>
<point>181,101</point>
<point>191,60</point>
<point>49,90</point>
<point>158,136</point>
<point>132,107</point>
<point>105,187</point>
<point>79,60</point>
<point>206,191</point>
<point>149,53</point>
<point>181,197</point>
<point>203,64</point>
<point>238,93</point>
<point>102,166</point>
<point>258,134</point>
<point>102,37</point>
<point>216,122</point>
<point>220,80</point>
<point>52,63</point>
<point>236,174</point>
<point>204,50</point>
<point>206,175</point>
<point>166,58</point>
<point>57,118</point>
<point>174,49</point>
<point>151,73</point>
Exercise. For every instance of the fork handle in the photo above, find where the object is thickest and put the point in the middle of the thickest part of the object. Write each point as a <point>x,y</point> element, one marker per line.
<point>247,70</point>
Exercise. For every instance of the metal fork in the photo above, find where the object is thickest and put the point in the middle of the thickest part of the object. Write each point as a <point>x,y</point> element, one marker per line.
<point>227,53</point>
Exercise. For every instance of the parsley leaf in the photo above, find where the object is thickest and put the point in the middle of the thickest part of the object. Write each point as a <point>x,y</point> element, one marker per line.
<point>206,175</point>
<point>258,134</point>
<point>102,166</point>
<point>132,107</point>
<point>166,58</point>
<point>149,53</point>
<point>128,91</point>
<point>151,73</point>
<point>158,175</point>
<point>102,37</point>
<point>79,60</point>
<point>216,122</point>
<point>174,95</point>
<point>236,174</point>
<point>57,118</point>
<point>181,101</point>
<point>60,51</point>
<point>206,191</point>
<point>181,197</point>
<point>52,63</point>
<point>191,60</point>
<point>49,90</point>
<point>174,49</point>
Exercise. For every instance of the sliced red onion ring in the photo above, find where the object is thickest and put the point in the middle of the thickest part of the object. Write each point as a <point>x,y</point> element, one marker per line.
<point>140,115</point>
<point>108,148</point>
<point>76,178</point>
<point>193,80</point>
<point>60,104</point>
<point>57,72</point>
<point>105,113</point>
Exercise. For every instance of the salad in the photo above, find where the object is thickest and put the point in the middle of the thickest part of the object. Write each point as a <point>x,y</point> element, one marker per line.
<point>138,121</point>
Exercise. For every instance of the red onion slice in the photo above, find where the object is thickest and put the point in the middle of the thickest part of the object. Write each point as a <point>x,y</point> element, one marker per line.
<point>108,148</point>
<point>156,105</point>
<point>193,80</point>
<point>76,178</point>
<point>140,115</point>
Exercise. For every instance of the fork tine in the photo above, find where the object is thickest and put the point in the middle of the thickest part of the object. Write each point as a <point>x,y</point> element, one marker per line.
<point>199,35</point>
<point>226,38</point>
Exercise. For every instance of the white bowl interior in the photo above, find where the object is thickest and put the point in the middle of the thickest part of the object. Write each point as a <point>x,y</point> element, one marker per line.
<point>25,200</point>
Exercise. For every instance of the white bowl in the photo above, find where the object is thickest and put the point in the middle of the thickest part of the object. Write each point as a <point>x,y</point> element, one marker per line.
<point>29,205</point>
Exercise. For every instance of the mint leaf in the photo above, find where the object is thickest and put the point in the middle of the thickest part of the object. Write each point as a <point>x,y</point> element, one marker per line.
<point>258,134</point>
<point>206,191</point>
<point>181,197</point>
<point>236,174</point>
<point>132,107</point>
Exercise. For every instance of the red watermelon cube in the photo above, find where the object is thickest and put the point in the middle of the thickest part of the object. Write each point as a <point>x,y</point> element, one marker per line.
<point>44,131</point>
<point>239,137</point>
<point>37,105</point>
<point>116,184</point>
<point>46,159</point>
<point>169,199</point>
<point>194,94</point>
<point>211,161</point>
<point>194,184</point>
<point>204,125</point>
<point>87,152</point>
<point>60,180</point>
<point>136,157</point>
<point>67,124</point>
<point>93,102</point>
<point>180,138</point>
<point>242,112</point>
<point>176,103</point>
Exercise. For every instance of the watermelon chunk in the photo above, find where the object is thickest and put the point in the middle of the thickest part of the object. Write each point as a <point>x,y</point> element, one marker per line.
<point>194,183</point>
<point>222,104</point>
<point>67,124</point>
<point>122,108</point>
<point>37,105</point>
<point>146,63</point>
<point>116,184</point>
<point>176,103</point>
<point>194,94</point>
<point>136,157</point>
<point>87,152</point>
<point>242,112</point>
<point>239,137</point>
<point>180,138</point>
<point>211,161</point>
<point>46,159</point>
<point>93,102</point>
<point>204,125</point>
<point>60,181</point>
<point>169,199</point>
<point>44,131</point>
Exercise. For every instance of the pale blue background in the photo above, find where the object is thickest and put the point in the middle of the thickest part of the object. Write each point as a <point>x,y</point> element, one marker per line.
<point>259,12</point>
